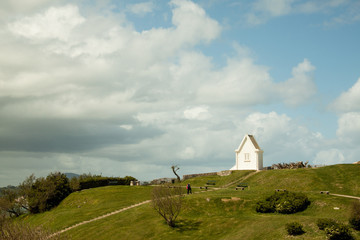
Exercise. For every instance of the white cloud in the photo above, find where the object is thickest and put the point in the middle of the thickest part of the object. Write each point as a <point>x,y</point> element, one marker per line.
<point>21,5</point>
<point>273,7</point>
<point>97,36</point>
<point>273,127</point>
<point>264,10</point>
<point>242,82</point>
<point>141,8</point>
<point>187,153</point>
<point>349,100</point>
<point>55,23</point>
<point>192,22</point>
<point>329,157</point>
<point>315,6</point>
<point>301,87</point>
<point>13,8</point>
<point>349,128</point>
<point>126,126</point>
<point>197,113</point>
<point>348,131</point>
<point>281,138</point>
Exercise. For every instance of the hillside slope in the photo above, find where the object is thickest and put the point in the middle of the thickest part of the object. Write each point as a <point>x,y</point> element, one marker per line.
<point>206,215</point>
<point>342,179</point>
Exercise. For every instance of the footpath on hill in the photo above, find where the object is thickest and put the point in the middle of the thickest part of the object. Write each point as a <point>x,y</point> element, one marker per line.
<point>240,180</point>
<point>100,217</point>
<point>142,203</point>
<point>346,196</point>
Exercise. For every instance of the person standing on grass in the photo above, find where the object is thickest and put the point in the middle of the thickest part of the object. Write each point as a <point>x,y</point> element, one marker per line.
<point>188,187</point>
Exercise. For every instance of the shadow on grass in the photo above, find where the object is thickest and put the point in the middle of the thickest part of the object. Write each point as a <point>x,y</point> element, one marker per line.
<point>182,225</point>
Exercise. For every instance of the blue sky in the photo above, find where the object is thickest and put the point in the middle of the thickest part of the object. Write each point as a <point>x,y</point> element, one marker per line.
<point>133,87</point>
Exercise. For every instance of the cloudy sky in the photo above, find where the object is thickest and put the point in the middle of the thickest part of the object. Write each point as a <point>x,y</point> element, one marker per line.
<point>133,87</point>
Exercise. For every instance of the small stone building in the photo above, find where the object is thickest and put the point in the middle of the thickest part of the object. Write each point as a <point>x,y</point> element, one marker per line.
<point>249,155</point>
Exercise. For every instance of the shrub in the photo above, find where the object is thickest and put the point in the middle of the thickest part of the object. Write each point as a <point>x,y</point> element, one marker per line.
<point>334,230</point>
<point>294,228</point>
<point>323,223</point>
<point>86,181</point>
<point>355,216</point>
<point>16,231</point>
<point>283,202</point>
<point>48,192</point>
<point>265,207</point>
<point>339,231</point>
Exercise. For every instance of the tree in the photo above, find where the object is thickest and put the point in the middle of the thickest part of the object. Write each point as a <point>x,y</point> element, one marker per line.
<point>74,184</point>
<point>26,185</point>
<point>175,168</point>
<point>13,200</point>
<point>10,202</point>
<point>167,201</point>
<point>46,193</point>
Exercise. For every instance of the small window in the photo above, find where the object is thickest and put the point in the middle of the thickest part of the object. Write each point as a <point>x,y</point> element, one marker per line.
<point>247,157</point>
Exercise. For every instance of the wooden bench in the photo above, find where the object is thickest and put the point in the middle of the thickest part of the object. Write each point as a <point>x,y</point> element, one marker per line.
<point>211,182</point>
<point>241,186</point>
<point>204,187</point>
<point>324,192</point>
<point>280,190</point>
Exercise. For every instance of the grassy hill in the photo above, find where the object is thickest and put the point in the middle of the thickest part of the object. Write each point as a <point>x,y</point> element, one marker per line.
<point>207,215</point>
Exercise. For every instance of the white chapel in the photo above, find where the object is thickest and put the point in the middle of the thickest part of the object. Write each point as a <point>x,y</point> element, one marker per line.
<point>249,155</point>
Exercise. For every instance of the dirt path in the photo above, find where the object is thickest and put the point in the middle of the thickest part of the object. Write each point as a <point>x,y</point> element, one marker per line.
<point>347,196</point>
<point>110,214</point>
<point>240,180</point>
<point>100,217</point>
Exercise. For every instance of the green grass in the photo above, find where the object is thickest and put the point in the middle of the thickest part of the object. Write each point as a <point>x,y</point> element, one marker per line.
<point>220,181</point>
<point>341,179</point>
<point>205,215</point>
<point>215,219</point>
<point>88,204</point>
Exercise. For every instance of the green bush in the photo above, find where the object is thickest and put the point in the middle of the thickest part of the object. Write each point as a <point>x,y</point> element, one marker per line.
<point>355,216</point>
<point>46,193</point>
<point>339,231</point>
<point>283,202</point>
<point>334,230</point>
<point>265,207</point>
<point>323,223</point>
<point>294,228</point>
<point>87,181</point>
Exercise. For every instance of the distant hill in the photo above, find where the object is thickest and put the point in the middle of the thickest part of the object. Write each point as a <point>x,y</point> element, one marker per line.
<point>8,187</point>
<point>71,175</point>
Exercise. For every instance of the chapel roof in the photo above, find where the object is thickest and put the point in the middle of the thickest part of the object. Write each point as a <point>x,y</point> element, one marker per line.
<point>256,145</point>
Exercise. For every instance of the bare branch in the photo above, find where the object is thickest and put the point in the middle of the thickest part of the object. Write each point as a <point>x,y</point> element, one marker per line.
<point>167,201</point>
